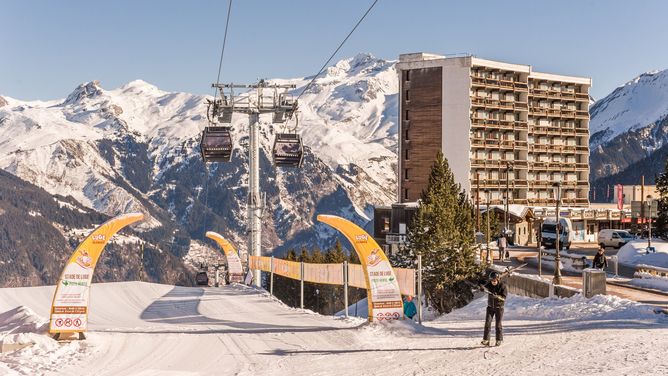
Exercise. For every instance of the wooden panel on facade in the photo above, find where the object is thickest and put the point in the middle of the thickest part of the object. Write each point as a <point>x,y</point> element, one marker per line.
<point>420,128</point>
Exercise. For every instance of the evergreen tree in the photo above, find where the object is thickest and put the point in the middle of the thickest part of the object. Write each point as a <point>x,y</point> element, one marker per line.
<point>336,255</point>
<point>442,232</point>
<point>662,187</point>
<point>494,224</point>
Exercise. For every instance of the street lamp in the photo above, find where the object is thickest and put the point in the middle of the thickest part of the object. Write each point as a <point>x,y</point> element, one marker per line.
<point>649,237</point>
<point>557,272</point>
<point>509,168</point>
<point>488,255</point>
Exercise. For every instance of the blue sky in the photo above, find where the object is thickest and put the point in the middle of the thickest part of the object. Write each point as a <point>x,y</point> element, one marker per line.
<point>48,47</point>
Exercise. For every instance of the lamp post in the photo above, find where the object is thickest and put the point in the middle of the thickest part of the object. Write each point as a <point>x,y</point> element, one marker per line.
<point>649,224</point>
<point>557,272</point>
<point>488,255</point>
<point>509,168</point>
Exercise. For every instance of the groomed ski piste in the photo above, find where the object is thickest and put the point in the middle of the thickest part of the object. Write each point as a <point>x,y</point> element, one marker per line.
<point>147,329</point>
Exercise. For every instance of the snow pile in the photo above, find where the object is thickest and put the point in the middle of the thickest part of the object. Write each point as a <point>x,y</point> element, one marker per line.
<point>600,307</point>
<point>24,335</point>
<point>634,253</point>
<point>651,281</point>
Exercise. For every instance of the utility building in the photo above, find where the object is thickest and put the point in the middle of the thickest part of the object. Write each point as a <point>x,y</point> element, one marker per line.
<point>498,124</point>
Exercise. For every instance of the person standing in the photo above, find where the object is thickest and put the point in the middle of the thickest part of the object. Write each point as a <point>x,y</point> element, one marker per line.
<point>501,243</point>
<point>495,303</point>
<point>600,261</point>
<point>409,307</point>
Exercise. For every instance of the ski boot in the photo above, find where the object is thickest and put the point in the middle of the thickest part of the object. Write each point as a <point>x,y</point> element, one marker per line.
<point>485,342</point>
<point>498,343</point>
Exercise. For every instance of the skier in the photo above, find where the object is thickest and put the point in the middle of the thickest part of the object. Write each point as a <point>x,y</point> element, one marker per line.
<point>409,307</point>
<point>600,261</point>
<point>495,302</point>
<point>502,242</point>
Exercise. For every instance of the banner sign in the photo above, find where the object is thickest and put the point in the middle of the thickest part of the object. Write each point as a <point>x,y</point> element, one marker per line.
<point>323,273</point>
<point>69,308</point>
<point>620,197</point>
<point>356,276</point>
<point>329,273</point>
<point>285,268</point>
<point>383,292</point>
<point>234,267</point>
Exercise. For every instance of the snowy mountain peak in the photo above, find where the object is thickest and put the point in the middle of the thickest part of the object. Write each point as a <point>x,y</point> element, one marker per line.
<point>638,103</point>
<point>140,87</point>
<point>87,90</point>
<point>359,64</point>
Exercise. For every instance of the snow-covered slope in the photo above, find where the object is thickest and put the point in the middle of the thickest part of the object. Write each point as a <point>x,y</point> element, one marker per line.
<point>637,104</point>
<point>149,329</point>
<point>629,132</point>
<point>136,148</point>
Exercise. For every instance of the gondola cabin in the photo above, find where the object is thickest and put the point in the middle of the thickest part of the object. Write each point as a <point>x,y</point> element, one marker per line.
<point>202,279</point>
<point>216,144</point>
<point>288,150</point>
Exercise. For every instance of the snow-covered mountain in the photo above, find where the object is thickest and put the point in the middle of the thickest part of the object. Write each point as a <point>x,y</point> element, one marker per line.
<point>136,148</point>
<point>629,130</point>
<point>638,103</point>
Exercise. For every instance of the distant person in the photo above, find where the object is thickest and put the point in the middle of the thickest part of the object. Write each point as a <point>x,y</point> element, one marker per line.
<point>501,242</point>
<point>600,261</point>
<point>409,307</point>
<point>495,303</point>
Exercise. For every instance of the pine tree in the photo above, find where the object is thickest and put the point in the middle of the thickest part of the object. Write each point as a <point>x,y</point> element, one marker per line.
<point>442,232</point>
<point>662,210</point>
<point>494,224</point>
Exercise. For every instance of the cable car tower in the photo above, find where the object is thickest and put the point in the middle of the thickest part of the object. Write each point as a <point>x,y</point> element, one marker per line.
<point>216,142</point>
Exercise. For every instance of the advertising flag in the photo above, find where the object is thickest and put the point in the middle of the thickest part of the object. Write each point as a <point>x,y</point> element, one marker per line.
<point>383,292</point>
<point>234,267</point>
<point>69,308</point>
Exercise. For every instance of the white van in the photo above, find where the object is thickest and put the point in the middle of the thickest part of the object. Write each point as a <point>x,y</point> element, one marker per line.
<point>549,233</point>
<point>614,238</point>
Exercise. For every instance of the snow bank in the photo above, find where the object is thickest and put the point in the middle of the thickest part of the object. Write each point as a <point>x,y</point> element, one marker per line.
<point>24,335</point>
<point>633,253</point>
<point>642,279</point>
<point>600,307</point>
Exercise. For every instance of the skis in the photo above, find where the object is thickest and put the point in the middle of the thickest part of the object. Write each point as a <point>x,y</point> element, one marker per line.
<point>501,275</point>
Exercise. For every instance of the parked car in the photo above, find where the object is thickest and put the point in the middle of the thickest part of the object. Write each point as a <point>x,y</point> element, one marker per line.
<point>614,238</point>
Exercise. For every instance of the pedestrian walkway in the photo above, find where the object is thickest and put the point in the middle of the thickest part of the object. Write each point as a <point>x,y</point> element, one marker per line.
<point>570,279</point>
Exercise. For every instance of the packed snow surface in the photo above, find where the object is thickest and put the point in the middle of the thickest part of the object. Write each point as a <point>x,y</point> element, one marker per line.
<point>634,253</point>
<point>149,329</point>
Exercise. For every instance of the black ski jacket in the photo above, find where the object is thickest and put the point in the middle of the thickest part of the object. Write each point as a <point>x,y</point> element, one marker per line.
<point>496,292</point>
<point>600,261</point>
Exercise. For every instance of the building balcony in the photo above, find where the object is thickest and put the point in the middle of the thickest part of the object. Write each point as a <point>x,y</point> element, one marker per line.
<point>478,122</point>
<point>491,163</point>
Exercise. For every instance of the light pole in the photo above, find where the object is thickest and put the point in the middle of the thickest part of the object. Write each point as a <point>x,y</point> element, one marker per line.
<point>649,224</point>
<point>557,272</point>
<point>488,255</point>
<point>509,168</point>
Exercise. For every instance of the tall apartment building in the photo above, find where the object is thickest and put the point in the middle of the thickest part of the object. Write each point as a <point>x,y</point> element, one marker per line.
<point>490,118</point>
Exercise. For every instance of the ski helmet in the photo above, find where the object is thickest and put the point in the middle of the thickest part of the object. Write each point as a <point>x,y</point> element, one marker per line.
<point>493,275</point>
